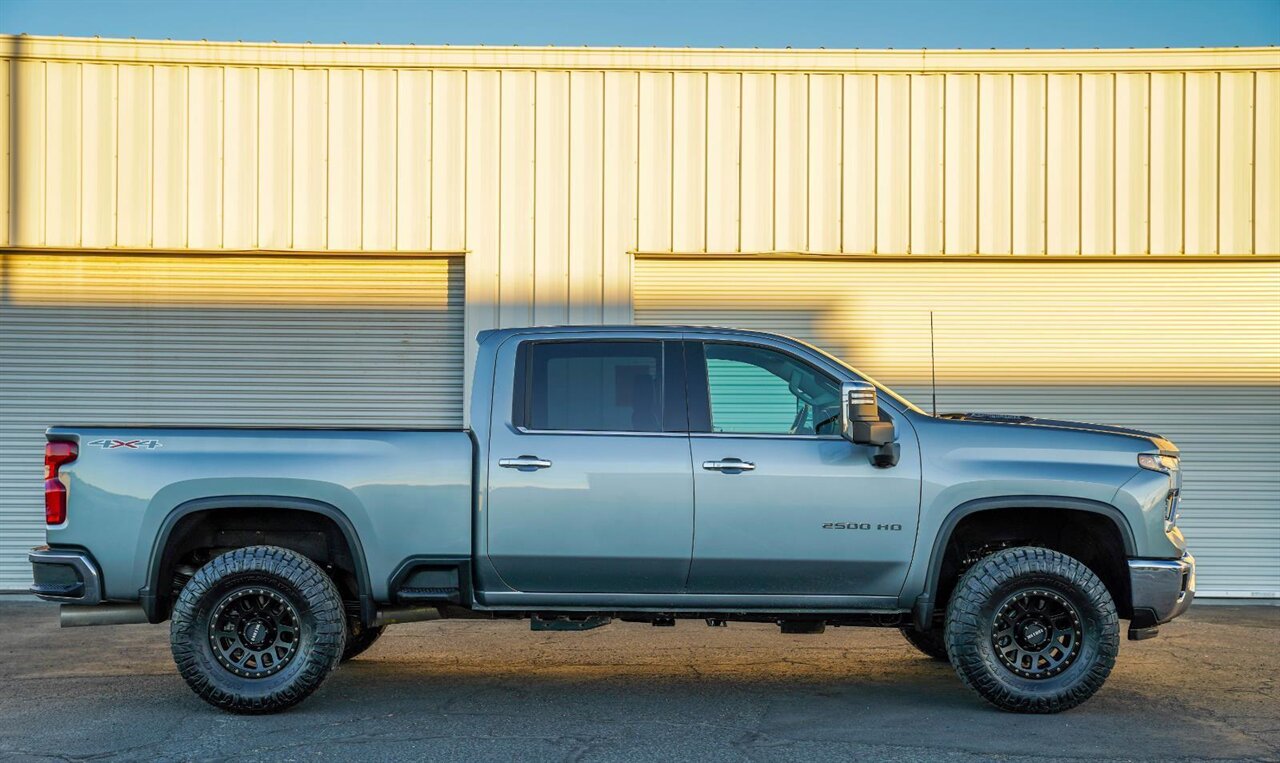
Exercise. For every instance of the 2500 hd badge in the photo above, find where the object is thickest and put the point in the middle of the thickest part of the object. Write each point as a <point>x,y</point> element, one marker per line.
<point>860,526</point>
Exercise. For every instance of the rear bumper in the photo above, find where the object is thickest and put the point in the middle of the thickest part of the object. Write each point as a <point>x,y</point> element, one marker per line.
<point>67,576</point>
<point>1162,589</point>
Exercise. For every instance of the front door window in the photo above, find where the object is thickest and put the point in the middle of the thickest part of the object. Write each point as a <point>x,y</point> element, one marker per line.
<point>753,390</point>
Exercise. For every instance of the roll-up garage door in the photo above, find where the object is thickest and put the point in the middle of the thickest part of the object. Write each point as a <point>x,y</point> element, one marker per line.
<point>1188,349</point>
<point>360,341</point>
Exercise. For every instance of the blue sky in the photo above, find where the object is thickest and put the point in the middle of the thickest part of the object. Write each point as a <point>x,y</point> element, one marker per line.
<point>709,23</point>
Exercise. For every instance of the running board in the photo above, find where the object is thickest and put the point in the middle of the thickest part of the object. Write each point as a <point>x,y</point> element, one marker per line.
<point>77,616</point>
<point>423,594</point>
<point>563,623</point>
<point>394,615</point>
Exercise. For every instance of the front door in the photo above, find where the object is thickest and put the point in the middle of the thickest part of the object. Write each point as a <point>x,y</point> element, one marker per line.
<point>590,485</point>
<point>784,504</point>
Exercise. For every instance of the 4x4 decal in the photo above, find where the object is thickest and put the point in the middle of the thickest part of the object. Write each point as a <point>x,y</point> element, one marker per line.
<point>128,444</point>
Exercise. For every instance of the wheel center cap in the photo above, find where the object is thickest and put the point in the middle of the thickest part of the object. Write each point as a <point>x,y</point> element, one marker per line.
<point>255,632</point>
<point>1035,633</point>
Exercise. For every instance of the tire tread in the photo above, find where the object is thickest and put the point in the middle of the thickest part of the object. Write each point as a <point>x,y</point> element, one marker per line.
<point>966,627</point>
<point>323,603</point>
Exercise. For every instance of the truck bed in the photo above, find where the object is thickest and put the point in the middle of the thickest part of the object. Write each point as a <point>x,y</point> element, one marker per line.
<point>404,493</point>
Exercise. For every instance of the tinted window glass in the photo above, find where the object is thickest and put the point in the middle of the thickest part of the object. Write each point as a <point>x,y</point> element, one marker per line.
<point>758,391</point>
<point>595,386</point>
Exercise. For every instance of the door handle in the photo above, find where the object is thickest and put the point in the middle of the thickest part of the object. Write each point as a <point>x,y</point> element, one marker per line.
<point>524,463</point>
<point>733,465</point>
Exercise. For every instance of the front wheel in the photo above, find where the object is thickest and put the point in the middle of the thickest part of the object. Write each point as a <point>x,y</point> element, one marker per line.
<point>256,630</point>
<point>1032,630</point>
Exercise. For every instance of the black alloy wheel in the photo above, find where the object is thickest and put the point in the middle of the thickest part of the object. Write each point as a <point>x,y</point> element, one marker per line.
<point>1037,633</point>
<point>254,631</point>
<point>257,629</point>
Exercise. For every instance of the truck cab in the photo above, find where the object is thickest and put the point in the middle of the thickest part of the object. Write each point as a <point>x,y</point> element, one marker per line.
<point>672,468</point>
<point>652,474</point>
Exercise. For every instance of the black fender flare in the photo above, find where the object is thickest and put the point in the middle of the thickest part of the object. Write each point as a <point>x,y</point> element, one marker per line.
<point>149,597</point>
<point>925,604</point>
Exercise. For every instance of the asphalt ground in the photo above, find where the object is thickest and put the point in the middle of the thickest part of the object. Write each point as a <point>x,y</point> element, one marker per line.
<point>1206,688</point>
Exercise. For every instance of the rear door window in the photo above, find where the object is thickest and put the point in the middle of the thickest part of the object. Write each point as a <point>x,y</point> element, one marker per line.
<point>594,386</point>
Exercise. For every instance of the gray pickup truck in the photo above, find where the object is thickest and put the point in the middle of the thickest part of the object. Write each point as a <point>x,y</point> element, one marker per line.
<point>646,474</point>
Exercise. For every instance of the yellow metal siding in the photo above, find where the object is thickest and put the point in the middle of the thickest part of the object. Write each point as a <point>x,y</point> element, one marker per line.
<point>1189,349</point>
<point>756,181</point>
<point>551,199</point>
<point>448,161</point>
<point>1266,165</point>
<point>302,155</point>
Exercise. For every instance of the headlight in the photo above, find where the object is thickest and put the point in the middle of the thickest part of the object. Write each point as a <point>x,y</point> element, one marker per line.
<point>1163,464</point>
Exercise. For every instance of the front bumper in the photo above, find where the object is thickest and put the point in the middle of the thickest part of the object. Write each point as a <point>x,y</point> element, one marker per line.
<point>67,576</point>
<point>1162,590</point>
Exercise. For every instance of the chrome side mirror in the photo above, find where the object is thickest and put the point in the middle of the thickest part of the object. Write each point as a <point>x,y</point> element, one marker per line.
<point>860,422</point>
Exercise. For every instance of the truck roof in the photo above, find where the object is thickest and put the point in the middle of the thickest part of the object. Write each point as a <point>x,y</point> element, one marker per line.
<point>624,328</point>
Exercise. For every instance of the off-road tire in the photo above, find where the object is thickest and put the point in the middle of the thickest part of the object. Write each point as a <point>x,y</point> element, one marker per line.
<point>1001,577</point>
<point>320,624</point>
<point>930,642</point>
<point>359,638</point>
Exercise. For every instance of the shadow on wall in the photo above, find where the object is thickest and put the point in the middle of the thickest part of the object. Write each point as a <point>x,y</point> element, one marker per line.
<point>812,323</point>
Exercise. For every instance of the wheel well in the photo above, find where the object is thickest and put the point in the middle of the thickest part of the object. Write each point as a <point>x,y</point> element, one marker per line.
<point>202,535</point>
<point>1090,537</point>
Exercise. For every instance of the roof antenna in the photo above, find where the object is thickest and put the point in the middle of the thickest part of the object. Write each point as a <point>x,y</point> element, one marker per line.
<point>933,367</point>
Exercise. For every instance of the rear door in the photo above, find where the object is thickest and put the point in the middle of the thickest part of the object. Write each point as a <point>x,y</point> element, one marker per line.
<point>590,483</point>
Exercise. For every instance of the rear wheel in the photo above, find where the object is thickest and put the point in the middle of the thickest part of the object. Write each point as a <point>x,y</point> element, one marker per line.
<point>1032,630</point>
<point>359,638</point>
<point>930,642</point>
<point>257,629</point>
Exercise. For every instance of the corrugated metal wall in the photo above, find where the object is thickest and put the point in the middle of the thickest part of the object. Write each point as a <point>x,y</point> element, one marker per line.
<point>1188,349</point>
<point>249,341</point>
<point>550,167</point>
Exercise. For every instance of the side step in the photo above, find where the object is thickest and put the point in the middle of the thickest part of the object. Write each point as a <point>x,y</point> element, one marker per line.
<point>393,615</point>
<point>75,616</point>
<point>422,594</point>
<point>803,627</point>
<point>565,623</point>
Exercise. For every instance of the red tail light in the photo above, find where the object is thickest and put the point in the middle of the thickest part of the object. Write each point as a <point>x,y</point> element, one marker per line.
<point>55,493</point>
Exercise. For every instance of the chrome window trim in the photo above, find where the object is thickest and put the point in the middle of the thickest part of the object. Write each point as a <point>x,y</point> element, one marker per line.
<point>717,435</point>
<point>609,433</point>
<point>768,436</point>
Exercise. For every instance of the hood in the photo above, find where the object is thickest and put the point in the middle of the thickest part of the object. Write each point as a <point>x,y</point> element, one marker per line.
<point>1158,443</point>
